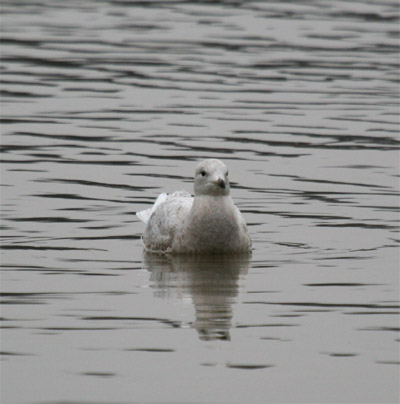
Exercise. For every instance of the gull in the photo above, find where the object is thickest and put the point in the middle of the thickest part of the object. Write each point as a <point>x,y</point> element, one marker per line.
<point>208,223</point>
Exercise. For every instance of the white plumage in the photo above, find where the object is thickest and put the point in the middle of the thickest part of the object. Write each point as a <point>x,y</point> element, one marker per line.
<point>144,215</point>
<point>209,223</point>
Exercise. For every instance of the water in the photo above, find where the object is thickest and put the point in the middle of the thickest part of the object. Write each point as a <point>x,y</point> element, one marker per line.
<point>105,104</point>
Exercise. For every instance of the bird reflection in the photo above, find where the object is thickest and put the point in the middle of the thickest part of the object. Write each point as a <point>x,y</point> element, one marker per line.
<point>212,282</point>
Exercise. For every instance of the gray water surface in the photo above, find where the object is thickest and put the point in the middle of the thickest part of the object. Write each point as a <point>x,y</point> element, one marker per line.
<point>106,104</point>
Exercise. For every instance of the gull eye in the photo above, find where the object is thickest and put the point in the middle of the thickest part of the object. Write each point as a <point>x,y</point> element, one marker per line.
<point>203,173</point>
<point>227,173</point>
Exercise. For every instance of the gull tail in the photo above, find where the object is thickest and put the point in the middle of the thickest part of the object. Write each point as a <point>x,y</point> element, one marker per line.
<point>144,215</point>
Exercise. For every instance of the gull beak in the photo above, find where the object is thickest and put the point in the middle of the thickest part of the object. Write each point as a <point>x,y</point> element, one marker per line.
<point>220,182</point>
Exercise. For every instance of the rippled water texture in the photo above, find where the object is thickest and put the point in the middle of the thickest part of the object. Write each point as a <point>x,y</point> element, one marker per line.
<point>104,105</point>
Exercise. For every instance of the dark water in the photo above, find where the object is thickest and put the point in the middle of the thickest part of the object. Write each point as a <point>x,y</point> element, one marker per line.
<point>104,105</point>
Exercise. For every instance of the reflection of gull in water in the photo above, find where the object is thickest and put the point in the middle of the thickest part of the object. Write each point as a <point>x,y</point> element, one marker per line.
<point>212,282</point>
<point>207,223</point>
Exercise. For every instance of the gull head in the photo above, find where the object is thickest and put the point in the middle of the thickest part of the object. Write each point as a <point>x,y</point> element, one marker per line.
<point>211,178</point>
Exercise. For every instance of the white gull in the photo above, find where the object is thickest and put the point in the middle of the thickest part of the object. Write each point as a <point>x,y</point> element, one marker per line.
<point>209,223</point>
